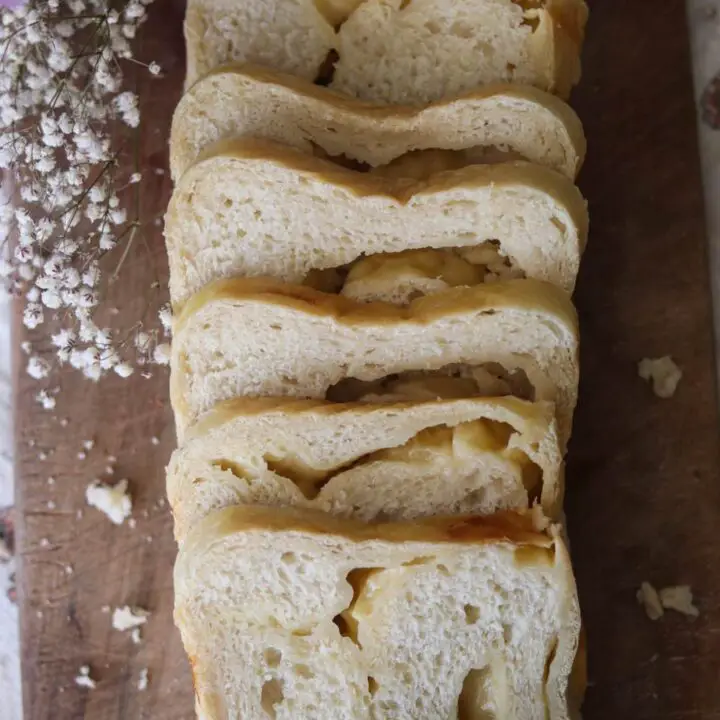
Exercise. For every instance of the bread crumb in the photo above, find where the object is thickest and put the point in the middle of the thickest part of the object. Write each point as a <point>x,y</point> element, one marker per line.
<point>89,444</point>
<point>127,618</point>
<point>69,570</point>
<point>113,500</point>
<point>136,636</point>
<point>648,597</point>
<point>132,522</point>
<point>676,597</point>
<point>83,679</point>
<point>540,521</point>
<point>51,504</point>
<point>663,373</point>
<point>51,481</point>
<point>680,599</point>
<point>155,440</point>
<point>143,680</point>
<point>105,609</point>
<point>44,542</point>
<point>81,455</point>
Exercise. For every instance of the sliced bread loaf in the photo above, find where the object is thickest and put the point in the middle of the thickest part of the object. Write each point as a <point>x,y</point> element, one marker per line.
<point>259,337</point>
<point>290,35</point>
<point>395,51</point>
<point>249,101</point>
<point>253,207</point>
<point>293,614</point>
<point>391,461</point>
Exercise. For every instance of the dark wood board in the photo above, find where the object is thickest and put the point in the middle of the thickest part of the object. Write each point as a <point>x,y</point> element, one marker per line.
<point>112,565</point>
<point>643,498</point>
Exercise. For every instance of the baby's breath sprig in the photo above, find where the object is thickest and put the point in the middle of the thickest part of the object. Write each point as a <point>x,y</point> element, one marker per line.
<point>61,92</point>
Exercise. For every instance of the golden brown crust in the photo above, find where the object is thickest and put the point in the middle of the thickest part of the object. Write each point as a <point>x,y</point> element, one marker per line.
<point>570,17</point>
<point>401,190</point>
<point>528,295</point>
<point>377,112</point>
<point>242,82</point>
<point>511,527</point>
<point>227,410</point>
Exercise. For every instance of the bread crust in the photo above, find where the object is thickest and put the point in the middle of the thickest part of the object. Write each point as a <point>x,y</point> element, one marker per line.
<point>250,92</point>
<point>430,536</point>
<point>360,191</point>
<point>293,430</point>
<point>536,297</point>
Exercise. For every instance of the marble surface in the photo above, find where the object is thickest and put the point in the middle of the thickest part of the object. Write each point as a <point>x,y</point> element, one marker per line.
<point>705,23</point>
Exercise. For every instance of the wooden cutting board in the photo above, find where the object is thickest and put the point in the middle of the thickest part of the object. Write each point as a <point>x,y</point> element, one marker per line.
<point>643,500</point>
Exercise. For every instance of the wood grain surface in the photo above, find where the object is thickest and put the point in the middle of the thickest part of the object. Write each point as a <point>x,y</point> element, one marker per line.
<point>643,498</point>
<point>111,566</point>
<point>643,482</point>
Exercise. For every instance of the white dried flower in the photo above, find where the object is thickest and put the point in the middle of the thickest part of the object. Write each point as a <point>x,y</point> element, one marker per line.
<point>33,315</point>
<point>64,339</point>
<point>165,316</point>
<point>124,369</point>
<point>161,354</point>
<point>46,400</point>
<point>60,88</point>
<point>38,367</point>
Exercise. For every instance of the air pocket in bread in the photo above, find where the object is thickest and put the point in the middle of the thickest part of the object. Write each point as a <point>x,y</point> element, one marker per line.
<point>253,102</point>
<point>256,208</point>
<point>259,337</point>
<point>389,461</point>
<point>290,613</point>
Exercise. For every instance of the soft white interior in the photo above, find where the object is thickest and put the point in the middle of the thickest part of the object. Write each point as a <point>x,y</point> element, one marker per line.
<point>289,35</point>
<point>392,462</point>
<point>397,52</point>
<point>431,631</point>
<point>259,104</point>
<point>231,348</point>
<point>232,216</point>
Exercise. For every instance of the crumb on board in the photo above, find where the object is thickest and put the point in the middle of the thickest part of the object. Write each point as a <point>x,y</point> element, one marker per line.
<point>136,636</point>
<point>143,680</point>
<point>675,597</point>
<point>663,373</point>
<point>113,500</point>
<point>83,679</point>
<point>648,597</point>
<point>127,618</point>
<point>680,599</point>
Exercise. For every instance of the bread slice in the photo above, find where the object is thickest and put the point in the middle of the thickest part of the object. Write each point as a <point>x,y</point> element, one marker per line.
<point>253,207</point>
<point>250,101</point>
<point>259,337</point>
<point>395,51</point>
<point>290,35</point>
<point>289,613</point>
<point>368,461</point>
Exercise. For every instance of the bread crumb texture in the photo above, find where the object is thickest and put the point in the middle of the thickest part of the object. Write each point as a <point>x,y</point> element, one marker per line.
<point>83,679</point>
<point>675,597</point>
<point>127,618</point>
<point>113,500</point>
<point>663,373</point>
